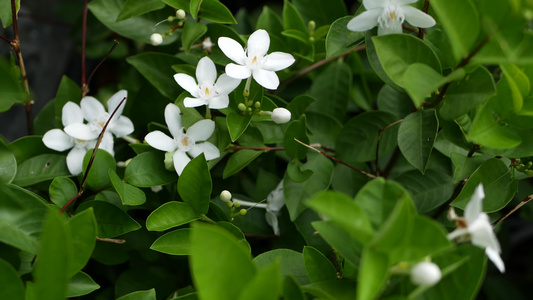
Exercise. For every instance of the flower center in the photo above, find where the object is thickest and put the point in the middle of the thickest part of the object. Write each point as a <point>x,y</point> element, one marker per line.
<point>207,91</point>
<point>391,16</point>
<point>186,143</point>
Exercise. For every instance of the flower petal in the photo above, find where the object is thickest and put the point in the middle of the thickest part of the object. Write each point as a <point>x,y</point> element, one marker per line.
<point>226,84</point>
<point>405,2</point>
<point>201,130</point>
<point>188,83</point>
<point>494,256</point>
<point>114,101</point>
<point>371,4</point>
<point>107,144</point>
<point>272,220</point>
<point>56,139</point>
<point>194,102</point>
<point>276,61</point>
<point>482,234</point>
<point>180,161</point>
<point>258,43</point>
<point>75,160</point>
<point>418,18</point>
<point>457,233</point>
<point>238,72</point>
<point>160,141</point>
<point>219,102</point>
<point>395,28</point>
<point>232,49</point>
<point>209,150</point>
<point>206,72</point>
<point>71,113</point>
<point>173,120</point>
<point>276,199</point>
<point>121,127</point>
<point>81,131</point>
<point>365,21</point>
<point>92,109</point>
<point>475,205</point>
<point>267,79</point>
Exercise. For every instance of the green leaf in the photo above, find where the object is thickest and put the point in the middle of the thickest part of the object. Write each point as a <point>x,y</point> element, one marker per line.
<point>194,7</point>
<point>416,136</point>
<point>292,18</point>
<point>297,192</point>
<point>170,214</point>
<point>291,262</point>
<point>295,172</point>
<point>156,68</point>
<point>376,64</point>
<point>61,190</point>
<point>174,243</point>
<point>140,295</point>
<point>270,21</point>
<point>111,220</point>
<point>372,274</point>
<point>460,22</point>
<point>498,183</point>
<point>232,263</point>
<point>67,91</point>
<point>83,230</point>
<point>129,194</point>
<point>291,289</point>
<point>134,8</point>
<point>147,170</point>
<point>12,286</point>
<point>28,147</point>
<point>358,139</point>
<point>321,12</point>
<point>317,266</point>
<point>331,90</point>
<point>296,130</point>
<point>41,168</point>
<point>299,105</point>
<point>340,40</point>
<point>98,177</point>
<point>237,124</point>
<point>217,12</point>
<point>332,289</point>
<point>191,33</point>
<point>340,239</point>
<point>265,285</point>
<point>342,210</point>
<point>194,185</point>
<point>239,160</point>
<point>51,268</point>
<point>81,284</point>
<point>8,165</point>
<point>396,52</point>
<point>6,16</point>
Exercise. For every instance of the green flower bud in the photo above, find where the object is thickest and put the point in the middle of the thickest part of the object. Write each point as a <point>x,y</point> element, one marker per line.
<point>242,211</point>
<point>241,107</point>
<point>225,196</point>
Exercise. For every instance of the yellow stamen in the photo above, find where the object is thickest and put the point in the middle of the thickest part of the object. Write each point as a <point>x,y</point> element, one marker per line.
<point>254,61</point>
<point>207,91</point>
<point>185,142</point>
<point>392,15</point>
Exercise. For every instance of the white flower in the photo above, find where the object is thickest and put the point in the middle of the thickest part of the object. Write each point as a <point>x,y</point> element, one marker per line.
<point>425,274</point>
<point>477,227</point>
<point>389,15</point>
<point>184,143</point>
<point>156,39</point>
<point>207,92</point>
<point>281,115</point>
<point>207,45</point>
<point>253,61</point>
<point>95,113</point>
<point>58,140</point>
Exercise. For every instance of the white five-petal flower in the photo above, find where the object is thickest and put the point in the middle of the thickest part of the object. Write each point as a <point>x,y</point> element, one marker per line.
<point>207,92</point>
<point>58,140</point>
<point>184,143</point>
<point>254,61</point>
<point>479,229</point>
<point>389,15</point>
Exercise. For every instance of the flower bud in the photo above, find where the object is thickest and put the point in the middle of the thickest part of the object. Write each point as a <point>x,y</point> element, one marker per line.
<point>241,107</point>
<point>156,39</point>
<point>242,211</point>
<point>225,196</point>
<point>180,14</point>
<point>237,204</point>
<point>281,115</point>
<point>426,274</point>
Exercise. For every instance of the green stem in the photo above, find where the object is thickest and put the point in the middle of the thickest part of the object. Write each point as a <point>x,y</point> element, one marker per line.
<point>207,219</point>
<point>207,112</point>
<point>246,92</point>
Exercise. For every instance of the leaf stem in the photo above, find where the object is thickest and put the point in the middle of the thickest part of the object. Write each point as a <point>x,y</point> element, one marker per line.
<point>379,141</point>
<point>114,241</point>
<point>522,203</point>
<point>421,31</point>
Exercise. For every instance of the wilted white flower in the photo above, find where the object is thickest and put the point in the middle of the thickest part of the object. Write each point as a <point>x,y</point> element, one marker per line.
<point>389,15</point>
<point>425,274</point>
<point>156,39</point>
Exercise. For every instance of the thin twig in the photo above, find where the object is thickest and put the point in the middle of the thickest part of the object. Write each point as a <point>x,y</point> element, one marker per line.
<point>114,241</point>
<point>89,165</point>
<point>421,30</point>
<point>336,159</point>
<point>5,39</point>
<point>86,90</point>
<point>522,203</point>
<point>379,141</point>
<point>84,85</point>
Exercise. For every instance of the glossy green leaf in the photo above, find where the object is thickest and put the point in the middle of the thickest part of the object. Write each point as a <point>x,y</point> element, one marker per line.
<point>232,263</point>
<point>358,139</point>
<point>129,194</point>
<point>140,295</point>
<point>10,85</point>
<point>291,289</point>
<point>270,21</point>
<point>191,33</point>
<point>83,229</point>
<point>340,40</point>
<point>429,190</point>
<point>332,289</point>
<point>392,101</point>
<point>194,185</point>
<point>292,263</point>
<point>296,130</point>
<point>98,177</point>
<point>170,214</point>
<point>147,170</point>
<point>8,165</point>
<point>239,160</point>
<point>295,172</point>
<point>317,266</point>
<point>299,105</point>
<point>498,182</point>
<point>296,193</point>
<point>460,22</point>
<point>61,190</point>
<point>465,166</point>
<point>111,220</point>
<point>81,284</point>
<point>321,12</point>
<point>416,136</point>
<point>175,242</point>
<point>12,286</point>
<point>237,124</point>
<point>292,18</point>
<point>340,240</point>
<point>6,16</point>
<point>28,147</point>
<point>215,11</point>
<point>373,273</point>
<point>133,8</point>
<point>265,285</point>
<point>194,7</point>
<point>41,168</point>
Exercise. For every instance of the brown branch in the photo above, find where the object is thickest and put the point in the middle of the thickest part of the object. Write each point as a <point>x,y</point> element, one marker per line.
<point>336,159</point>
<point>85,89</point>
<point>421,31</point>
<point>84,86</point>
<point>522,203</point>
<point>379,141</point>
<point>114,241</point>
<point>5,39</point>
<point>89,165</point>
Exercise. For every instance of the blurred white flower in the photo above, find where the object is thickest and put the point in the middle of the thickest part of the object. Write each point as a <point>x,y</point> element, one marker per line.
<point>425,274</point>
<point>254,61</point>
<point>180,14</point>
<point>207,45</point>
<point>156,39</point>
<point>184,143</point>
<point>389,15</point>
<point>58,140</point>
<point>475,226</point>
<point>207,92</point>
